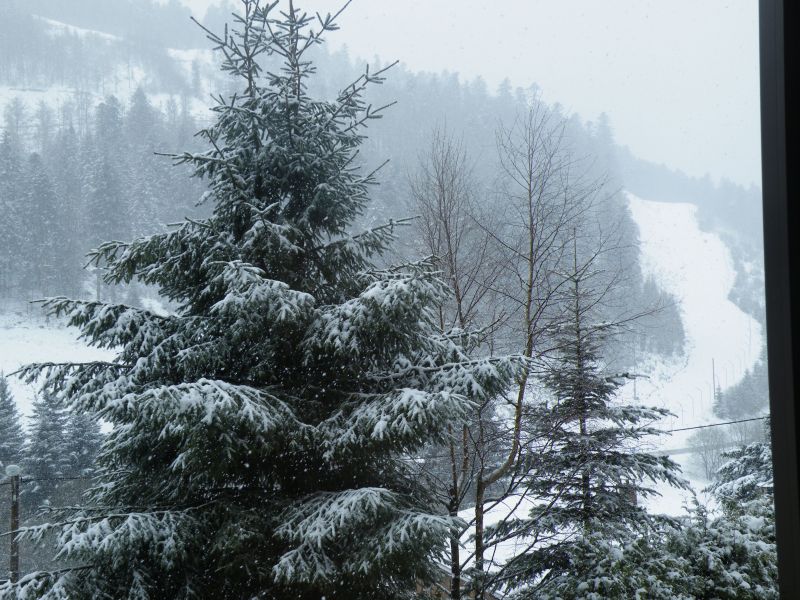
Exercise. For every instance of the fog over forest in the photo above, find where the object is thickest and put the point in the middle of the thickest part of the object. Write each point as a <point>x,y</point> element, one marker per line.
<point>276,322</point>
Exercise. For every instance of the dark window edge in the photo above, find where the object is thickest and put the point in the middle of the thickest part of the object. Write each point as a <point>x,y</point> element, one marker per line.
<point>781,287</point>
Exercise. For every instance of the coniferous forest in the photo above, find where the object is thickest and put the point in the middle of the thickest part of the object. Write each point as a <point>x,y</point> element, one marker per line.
<point>347,357</point>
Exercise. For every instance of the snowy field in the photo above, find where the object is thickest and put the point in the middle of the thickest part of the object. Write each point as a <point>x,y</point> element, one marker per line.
<point>26,336</point>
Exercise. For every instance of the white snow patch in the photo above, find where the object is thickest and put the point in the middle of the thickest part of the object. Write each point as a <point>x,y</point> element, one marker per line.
<point>27,337</point>
<point>696,267</point>
<point>203,56</point>
<point>61,28</point>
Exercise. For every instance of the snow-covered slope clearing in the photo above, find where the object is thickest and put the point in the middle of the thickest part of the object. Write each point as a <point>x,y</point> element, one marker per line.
<point>696,268</point>
<point>120,73</point>
<point>26,337</point>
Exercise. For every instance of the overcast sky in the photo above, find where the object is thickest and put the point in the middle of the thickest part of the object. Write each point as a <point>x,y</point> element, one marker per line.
<point>678,78</point>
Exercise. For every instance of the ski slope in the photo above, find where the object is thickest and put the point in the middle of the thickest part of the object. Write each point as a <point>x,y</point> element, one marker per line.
<point>696,267</point>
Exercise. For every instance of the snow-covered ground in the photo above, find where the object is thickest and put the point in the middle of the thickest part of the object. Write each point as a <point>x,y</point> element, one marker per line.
<point>26,337</point>
<point>59,28</point>
<point>696,267</point>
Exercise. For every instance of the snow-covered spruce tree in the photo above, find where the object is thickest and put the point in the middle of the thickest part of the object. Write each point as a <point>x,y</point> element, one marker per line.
<point>12,438</point>
<point>730,557</point>
<point>46,457</point>
<point>43,227</point>
<point>733,555</point>
<point>263,434</point>
<point>632,568</point>
<point>11,210</point>
<point>587,481</point>
<point>744,477</point>
<point>83,439</point>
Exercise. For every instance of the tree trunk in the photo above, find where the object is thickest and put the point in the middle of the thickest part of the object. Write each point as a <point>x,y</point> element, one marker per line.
<point>480,494</point>
<point>455,563</point>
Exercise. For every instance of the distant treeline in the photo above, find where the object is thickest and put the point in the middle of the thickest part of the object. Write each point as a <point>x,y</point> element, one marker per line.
<point>722,205</point>
<point>63,193</point>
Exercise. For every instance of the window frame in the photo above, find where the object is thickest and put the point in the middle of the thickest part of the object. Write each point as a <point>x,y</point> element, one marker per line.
<point>782,282</point>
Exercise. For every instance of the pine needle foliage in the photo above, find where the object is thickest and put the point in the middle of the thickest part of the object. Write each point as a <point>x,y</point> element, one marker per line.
<point>12,437</point>
<point>588,480</point>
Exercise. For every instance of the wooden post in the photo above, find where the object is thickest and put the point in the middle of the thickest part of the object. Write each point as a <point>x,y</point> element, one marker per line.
<point>13,471</point>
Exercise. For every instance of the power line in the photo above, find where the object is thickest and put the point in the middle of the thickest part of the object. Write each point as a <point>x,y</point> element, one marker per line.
<point>716,424</point>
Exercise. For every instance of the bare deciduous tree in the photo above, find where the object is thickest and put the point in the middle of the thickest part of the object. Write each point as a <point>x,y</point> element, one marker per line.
<point>454,225</point>
<point>503,262</point>
<point>543,195</point>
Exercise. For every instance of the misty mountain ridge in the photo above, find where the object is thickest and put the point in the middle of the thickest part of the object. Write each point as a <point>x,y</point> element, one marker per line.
<point>129,44</point>
<point>73,57</point>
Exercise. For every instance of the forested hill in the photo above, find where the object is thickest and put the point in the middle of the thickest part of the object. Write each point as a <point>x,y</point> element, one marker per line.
<point>90,92</point>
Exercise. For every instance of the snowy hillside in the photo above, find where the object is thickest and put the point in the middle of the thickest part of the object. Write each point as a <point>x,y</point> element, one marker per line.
<point>119,70</point>
<point>699,272</point>
<point>27,337</point>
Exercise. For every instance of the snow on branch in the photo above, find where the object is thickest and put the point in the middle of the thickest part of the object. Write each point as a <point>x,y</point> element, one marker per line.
<point>248,289</point>
<point>396,420</point>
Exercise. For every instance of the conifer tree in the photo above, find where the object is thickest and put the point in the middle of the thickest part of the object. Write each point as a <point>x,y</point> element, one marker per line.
<point>590,477</point>
<point>46,459</point>
<point>12,438</point>
<point>83,438</point>
<point>105,196</point>
<point>263,434</point>
<point>104,187</point>
<point>146,170</point>
<point>43,228</point>
<point>11,210</point>
<point>732,555</point>
<point>66,169</point>
<point>745,477</point>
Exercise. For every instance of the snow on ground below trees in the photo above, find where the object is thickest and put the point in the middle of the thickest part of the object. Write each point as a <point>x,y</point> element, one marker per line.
<point>26,336</point>
<point>696,267</point>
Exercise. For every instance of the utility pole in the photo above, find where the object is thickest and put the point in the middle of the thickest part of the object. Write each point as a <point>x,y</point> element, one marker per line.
<point>13,472</point>
<point>636,369</point>
<point>713,382</point>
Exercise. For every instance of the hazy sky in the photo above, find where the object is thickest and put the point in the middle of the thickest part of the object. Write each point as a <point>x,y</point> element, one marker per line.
<point>678,78</point>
